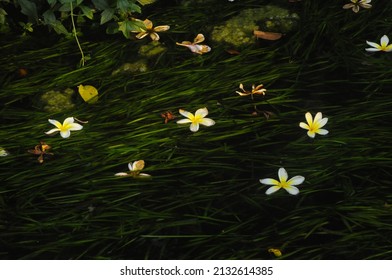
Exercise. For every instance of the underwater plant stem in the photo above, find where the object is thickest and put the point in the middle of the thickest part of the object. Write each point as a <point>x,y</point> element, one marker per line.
<point>82,61</point>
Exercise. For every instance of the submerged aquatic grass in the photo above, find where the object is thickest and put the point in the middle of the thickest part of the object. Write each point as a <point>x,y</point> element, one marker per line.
<point>204,199</point>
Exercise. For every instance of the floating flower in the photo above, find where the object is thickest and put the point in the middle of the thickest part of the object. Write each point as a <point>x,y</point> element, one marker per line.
<point>283,183</point>
<point>3,152</point>
<point>65,128</point>
<point>355,4</point>
<point>314,126</point>
<point>255,90</point>
<point>195,47</point>
<point>41,150</point>
<point>150,30</point>
<point>384,47</point>
<point>134,170</point>
<point>196,119</point>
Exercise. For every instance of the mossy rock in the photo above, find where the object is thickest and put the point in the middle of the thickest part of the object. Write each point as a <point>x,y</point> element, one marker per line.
<point>136,67</point>
<point>152,49</point>
<point>57,101</point>
<point>238,30</point>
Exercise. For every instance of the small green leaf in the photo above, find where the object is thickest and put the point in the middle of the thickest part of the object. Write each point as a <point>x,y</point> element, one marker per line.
<point>123,26</point>
<point>127,26</point>
<point>29,9</point>
<point>52,2</point>
<point>146,2</point>
<point>49,17</point>
<point>107,15</point>
<point>59,28</point>
<point>123,5</point>
<point>135,8</point>
<point>3,13</point>
<point>101,4</point>
<point>66,1</point>
<point>65,8</point>
<point>87,11</point>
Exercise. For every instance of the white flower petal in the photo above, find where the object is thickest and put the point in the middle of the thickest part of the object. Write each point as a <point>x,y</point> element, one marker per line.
<point>121,174</point>
<point>75,126</point>
<point>323,122</point>
<point>154,36</point>
<point>304,125</point>
<point>269,181</point>
<point>65,133</point>
<point>282,173</point>
<point>311,134</point>
<point>374,45</point>
<point>55,123</point>
<point>202,112</point>
<point>141,35</point>
<point>348,6</point>
<point>292,190</point>
<point>184,121</point>
<point>186,114</point>
<point>52,131</point>
<point>322,131</point>
<point>130,166</point>
<point>309,118</point>
<point>384,41</point>
<point>69,120</point>
<point>207,122</point>
<point>138,165</point>
<point>296,180</point>
<point>318,117</point>
<point>372,50</point>
<point>272,190</point>
<point>194,127</point>
<point>144,175</point>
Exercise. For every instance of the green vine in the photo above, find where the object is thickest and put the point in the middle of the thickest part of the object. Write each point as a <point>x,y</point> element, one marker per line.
<point>83,59</point>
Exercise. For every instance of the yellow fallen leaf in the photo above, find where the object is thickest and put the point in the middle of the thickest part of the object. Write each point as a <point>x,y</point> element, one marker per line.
<point>88,93</point>
<point>276,252</point>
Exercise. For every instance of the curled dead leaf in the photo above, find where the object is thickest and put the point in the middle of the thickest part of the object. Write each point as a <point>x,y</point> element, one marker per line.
<point>272,36</point>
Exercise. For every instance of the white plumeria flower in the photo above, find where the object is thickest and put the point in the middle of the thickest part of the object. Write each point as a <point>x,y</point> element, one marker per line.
<point>384,47</point>
<point>65,128</point>
<point>314,126</point>
<point>355,4</point>
<point>289,185</point>
<point>134,169</point>
<point>3,152</point>
<point>196,119</point>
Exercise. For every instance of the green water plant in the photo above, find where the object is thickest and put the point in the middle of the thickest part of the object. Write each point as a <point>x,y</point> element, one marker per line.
<point>55,13</point>
<point>118,16</point>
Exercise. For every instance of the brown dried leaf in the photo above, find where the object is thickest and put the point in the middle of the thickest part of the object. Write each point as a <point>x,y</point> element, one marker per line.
<point>271,36</point>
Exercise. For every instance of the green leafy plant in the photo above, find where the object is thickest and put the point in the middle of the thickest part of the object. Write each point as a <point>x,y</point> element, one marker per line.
<point>117,15</point>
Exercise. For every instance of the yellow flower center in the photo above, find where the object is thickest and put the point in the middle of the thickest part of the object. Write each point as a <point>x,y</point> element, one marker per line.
<point>196,119</point>
<point>66,127</point>
<point>314,127</point>
<point>284,184</point>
